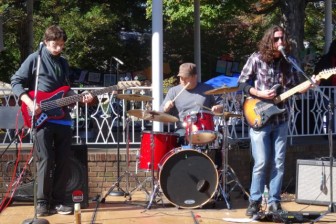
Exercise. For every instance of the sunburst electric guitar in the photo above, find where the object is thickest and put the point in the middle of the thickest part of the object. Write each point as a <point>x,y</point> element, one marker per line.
<point>258,111</point>
<point>51,103</point>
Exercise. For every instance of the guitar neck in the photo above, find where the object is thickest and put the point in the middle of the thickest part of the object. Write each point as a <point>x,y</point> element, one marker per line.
<point>65,101</point>
<point>290,92</point>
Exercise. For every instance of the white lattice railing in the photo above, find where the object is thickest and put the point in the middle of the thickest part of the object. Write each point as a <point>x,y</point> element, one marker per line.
<point>98,125</point>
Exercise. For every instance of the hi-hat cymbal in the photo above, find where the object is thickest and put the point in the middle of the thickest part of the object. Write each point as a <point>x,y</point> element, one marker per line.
<point>227,115</point>
<point>152,115</point>
<point>224,89</point>
<point>134,97</point>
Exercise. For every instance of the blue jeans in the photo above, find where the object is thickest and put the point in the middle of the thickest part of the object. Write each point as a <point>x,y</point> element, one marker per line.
<point>268,151</point>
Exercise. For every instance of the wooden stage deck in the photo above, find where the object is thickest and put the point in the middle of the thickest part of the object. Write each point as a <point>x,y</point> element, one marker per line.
<point>117,209</point>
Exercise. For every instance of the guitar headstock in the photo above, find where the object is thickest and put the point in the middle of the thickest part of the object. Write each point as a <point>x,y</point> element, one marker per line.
<point>128,84</point>
<point>325,74</point>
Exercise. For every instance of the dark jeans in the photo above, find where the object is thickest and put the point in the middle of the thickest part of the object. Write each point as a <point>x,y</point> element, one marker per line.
<point>52,147</point>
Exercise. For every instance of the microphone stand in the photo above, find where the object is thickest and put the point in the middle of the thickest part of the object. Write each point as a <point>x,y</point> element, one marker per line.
<point>331,108</point>
<point>35,220</point>
<point>119,191</point>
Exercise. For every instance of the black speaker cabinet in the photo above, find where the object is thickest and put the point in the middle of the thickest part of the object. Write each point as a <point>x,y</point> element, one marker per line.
<point>313,182</point>
<point>77,186</point>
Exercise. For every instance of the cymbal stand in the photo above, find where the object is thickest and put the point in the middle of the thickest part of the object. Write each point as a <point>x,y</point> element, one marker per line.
<point>155,183</point>
<point>227,171</point>
<point>222,183</point>
<point>127,174</point>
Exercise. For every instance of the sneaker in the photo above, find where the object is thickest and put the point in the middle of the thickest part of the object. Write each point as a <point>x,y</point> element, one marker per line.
<point>42,209</point>
<point>274,207</point>
<point>253,208</point>
<point>63,209</point>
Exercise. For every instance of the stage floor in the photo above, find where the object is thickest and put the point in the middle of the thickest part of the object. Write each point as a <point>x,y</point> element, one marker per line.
<point>117,209</point>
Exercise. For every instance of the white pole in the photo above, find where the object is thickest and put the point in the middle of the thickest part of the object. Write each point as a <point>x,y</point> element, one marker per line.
<point>157,59</point>
<point>328,27</point>
<point>197,38</point>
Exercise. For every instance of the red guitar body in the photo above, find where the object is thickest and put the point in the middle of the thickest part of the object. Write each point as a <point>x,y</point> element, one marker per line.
<point>48,103</point>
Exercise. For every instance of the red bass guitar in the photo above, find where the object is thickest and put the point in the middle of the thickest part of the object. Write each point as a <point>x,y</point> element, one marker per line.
<point>52,103</point>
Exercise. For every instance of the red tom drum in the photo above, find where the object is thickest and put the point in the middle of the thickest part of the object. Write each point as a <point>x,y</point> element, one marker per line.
<point>163,143</point>
<point>201,126</point>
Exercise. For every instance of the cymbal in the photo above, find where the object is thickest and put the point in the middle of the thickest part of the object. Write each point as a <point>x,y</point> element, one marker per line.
<point>134,97</point>
<point>227,115</point>
<point>224,89</point>
<point>152,115</point>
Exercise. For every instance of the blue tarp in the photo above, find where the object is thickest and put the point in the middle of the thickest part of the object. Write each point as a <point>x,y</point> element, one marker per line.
<point>221,80</point>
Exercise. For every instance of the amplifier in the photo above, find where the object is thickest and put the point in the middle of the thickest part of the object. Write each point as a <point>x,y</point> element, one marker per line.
<point>313,182</point>
<point>77,185</point>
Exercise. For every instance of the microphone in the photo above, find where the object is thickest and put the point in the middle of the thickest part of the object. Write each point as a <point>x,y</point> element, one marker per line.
<point>118,60</point>
<point>282,50</point>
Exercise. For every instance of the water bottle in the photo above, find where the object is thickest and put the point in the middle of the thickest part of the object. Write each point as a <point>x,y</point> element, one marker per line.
<point>265,196</point>
<point>77,214</point>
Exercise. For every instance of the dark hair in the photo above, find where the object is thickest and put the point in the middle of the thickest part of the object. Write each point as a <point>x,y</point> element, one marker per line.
<point>267,42</point>
<point>55,32</point>
<point>332,48</point>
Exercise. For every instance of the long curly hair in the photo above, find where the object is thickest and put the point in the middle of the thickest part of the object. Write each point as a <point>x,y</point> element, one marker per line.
<point>265,46</point>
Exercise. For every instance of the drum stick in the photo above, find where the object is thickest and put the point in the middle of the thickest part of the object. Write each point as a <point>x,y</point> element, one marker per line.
<point>204,106</point>
<point>181,91</point>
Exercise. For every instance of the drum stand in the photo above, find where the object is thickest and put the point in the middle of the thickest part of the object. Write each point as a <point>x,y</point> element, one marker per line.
<point>155,183</point>
<point>227,171</point>
<point>127,174</point>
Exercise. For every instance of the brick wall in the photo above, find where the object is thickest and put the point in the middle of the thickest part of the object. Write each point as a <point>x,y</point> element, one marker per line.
<point>102,166</point>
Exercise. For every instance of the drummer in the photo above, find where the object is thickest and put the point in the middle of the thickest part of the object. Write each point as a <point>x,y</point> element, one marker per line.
<point>188,97</point>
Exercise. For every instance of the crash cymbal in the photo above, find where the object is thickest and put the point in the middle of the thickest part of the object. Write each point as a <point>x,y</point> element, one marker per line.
<point>134,97</point>
<point>152,115</point>
<point>224,89</point>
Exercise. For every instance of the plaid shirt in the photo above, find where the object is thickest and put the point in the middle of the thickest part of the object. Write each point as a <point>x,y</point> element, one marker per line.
<point>264,76</point>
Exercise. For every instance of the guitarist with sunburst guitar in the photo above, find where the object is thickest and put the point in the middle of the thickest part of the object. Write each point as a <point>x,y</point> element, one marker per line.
<point>269,79</point>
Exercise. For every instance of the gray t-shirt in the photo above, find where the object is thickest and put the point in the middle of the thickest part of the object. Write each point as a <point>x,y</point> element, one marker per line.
<point>189,100</point>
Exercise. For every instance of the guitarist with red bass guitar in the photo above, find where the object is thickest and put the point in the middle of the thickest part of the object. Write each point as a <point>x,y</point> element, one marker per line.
<point>53,136</point>
<point>265,77</point>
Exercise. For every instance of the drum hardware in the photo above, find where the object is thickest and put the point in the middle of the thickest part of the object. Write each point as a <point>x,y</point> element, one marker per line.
<point>160,117</point>
<point>127,174</point>
<point>227,171</point>
<point>164,142</point>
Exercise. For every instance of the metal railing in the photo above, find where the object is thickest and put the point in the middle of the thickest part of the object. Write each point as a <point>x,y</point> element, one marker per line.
<point>99,125</point>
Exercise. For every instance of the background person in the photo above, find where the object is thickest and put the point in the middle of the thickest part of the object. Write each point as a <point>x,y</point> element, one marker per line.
<point>53,139</point>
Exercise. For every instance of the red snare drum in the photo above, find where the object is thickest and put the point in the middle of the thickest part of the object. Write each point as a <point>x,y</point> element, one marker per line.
<point>188,178</point>
<point>163,143</point>
<point>201,125</point>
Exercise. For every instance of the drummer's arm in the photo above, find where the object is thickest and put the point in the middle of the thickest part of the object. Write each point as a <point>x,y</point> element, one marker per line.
<point>168,106</point>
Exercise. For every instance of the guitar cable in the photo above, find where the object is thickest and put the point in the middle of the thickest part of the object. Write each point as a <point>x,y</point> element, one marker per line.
<point>15,181</point>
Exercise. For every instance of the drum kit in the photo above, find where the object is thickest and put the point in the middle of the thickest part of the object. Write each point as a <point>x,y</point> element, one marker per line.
<point>186,176</point>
